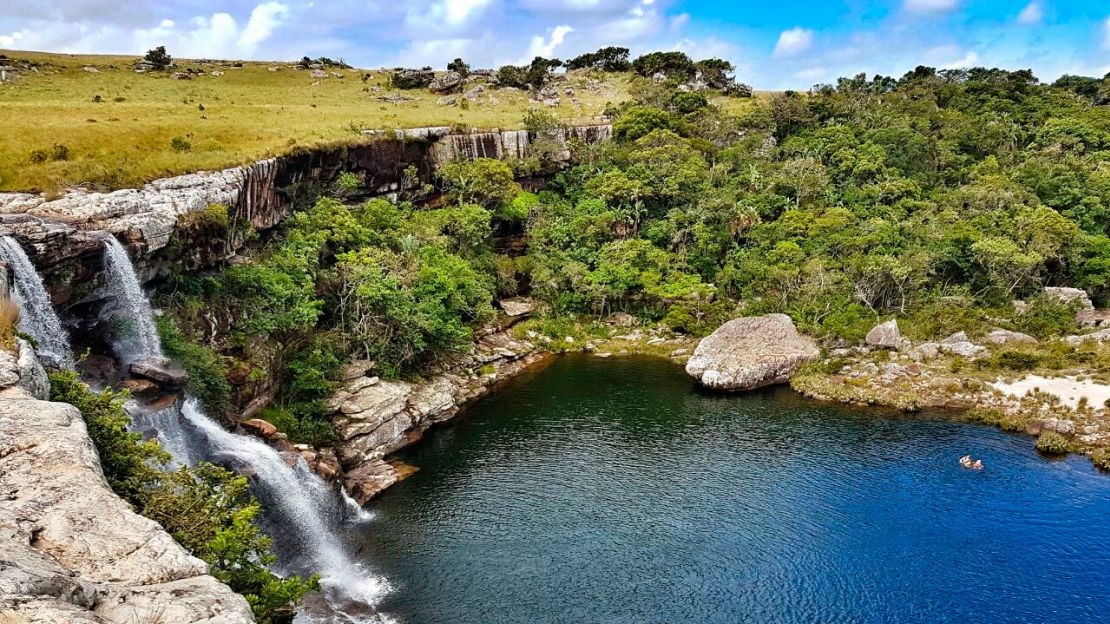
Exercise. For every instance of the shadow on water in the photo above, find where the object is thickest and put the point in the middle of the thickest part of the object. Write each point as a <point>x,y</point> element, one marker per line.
<point>616,491</point>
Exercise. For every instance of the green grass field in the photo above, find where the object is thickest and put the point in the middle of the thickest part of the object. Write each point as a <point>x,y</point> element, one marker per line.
<point>127,136</point>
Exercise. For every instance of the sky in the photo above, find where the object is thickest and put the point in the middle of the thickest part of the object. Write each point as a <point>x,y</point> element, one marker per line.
<point>774,45</point>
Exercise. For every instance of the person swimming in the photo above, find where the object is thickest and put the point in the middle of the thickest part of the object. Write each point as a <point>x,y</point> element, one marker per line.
<point>971,464</point>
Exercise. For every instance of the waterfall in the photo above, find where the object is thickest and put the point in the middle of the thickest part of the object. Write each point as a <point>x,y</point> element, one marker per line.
<point>297,503</point>
<point>135,336</point>
<point>37,317</point>
<point>302,502</point>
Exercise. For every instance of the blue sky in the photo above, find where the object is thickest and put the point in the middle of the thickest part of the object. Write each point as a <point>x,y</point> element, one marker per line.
<point>775,45</point>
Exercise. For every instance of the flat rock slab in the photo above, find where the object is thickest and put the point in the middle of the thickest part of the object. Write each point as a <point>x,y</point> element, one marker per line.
<point>750,352</point>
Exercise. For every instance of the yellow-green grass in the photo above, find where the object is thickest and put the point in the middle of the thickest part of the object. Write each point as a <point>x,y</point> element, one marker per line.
<point>249,113</point>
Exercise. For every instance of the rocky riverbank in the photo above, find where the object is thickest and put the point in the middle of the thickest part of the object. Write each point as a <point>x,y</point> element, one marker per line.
<point>70,549</point>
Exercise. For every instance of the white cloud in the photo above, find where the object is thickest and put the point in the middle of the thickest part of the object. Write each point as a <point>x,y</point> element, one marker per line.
<point>793,42</point>
<point>216,35</point>
<point>1032,14</point>
<point>971,59</point>
<point>930,6</point>
<point>264,19</point>
<point>678,22</point>
<point>546,47</point>
<point>9,41</point>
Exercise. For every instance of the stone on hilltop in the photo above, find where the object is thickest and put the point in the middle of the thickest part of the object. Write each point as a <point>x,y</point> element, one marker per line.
<point>750,352</point>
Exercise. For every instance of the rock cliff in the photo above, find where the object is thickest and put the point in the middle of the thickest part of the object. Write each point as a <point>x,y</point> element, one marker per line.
<point>70,549</point>
<point>60,235</point>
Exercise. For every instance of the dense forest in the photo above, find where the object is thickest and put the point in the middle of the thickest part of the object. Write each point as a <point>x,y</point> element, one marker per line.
<point>938,198</point>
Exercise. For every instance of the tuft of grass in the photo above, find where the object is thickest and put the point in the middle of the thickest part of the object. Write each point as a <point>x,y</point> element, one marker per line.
<point>1052,443</point>
<point>9,322</point>
<point>1101,458</point>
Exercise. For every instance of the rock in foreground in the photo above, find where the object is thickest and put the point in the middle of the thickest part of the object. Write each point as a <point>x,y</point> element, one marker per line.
<point>750,352</point>
<point>71,550</point>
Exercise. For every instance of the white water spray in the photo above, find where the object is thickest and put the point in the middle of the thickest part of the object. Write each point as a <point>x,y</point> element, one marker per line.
<point>37,317</point>
<point>135,334</point>
<point>302,499</point>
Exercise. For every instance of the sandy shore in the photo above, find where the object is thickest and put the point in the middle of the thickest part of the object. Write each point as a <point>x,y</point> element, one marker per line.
<point>1068,389</point>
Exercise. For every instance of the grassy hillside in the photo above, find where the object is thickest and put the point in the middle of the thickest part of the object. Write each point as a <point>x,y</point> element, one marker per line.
<point>149,125</point>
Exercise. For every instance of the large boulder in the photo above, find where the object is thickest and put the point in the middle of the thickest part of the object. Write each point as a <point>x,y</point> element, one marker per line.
<point>884,335</point>
<point>750,352</point>
<point>161,370</point>
<point>447,83</point>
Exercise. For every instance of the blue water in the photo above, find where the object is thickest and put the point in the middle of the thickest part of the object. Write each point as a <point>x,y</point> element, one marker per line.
<point>614,491</point>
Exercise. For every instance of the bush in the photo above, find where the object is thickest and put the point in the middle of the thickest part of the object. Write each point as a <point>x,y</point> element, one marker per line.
<point>179,144</point>
<point>207,369</point>
<point>158,58</point>
<point>1052,443</point>
<point>347,183</point>
<point>9,322</point>
<point>55,152</point>
<point>1101,458</point>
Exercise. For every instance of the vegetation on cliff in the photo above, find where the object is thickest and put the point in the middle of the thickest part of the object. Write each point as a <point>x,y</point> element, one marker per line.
<point>207,509</point>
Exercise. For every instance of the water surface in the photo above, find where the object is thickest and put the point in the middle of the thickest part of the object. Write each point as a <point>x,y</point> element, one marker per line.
<point>614,491</point>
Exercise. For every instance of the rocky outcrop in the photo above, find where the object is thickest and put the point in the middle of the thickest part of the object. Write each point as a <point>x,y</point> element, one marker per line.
<point>374,417</point>
<point>1005,336</point>
<point>22,370</point>
<point>71,550</point>
<point>750,352</point>
<point>884,335</point>
<point>959,344</point>
<point>1076,296</point>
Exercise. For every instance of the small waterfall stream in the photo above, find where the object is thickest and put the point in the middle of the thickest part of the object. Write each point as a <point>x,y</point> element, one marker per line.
<point>37,317</point>
<point>135,334</point>
<point>301,511</point>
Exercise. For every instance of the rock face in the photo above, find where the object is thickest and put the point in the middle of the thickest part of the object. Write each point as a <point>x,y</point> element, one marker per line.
<point>447,83</point>
<point>1070,295</point>
<point>374,418</point>
<point>23,371</point>
<point>71,550</point>
<point>884,335</point>
<point>60,234</point>
<point>750,352</point>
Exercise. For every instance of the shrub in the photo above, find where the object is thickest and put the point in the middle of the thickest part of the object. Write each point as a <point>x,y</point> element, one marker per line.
<point>686,103</point>
<point>1101,458</point>
<point>459,67</point>
<point>55,152</point>
<point>1052,443</point>
<point>347,183</point>
<point>158,58</point>
<point>179,144</point>
<point>207,369</point>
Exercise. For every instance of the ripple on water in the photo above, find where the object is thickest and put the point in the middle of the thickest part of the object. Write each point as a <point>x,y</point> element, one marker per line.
<point>614,491</point>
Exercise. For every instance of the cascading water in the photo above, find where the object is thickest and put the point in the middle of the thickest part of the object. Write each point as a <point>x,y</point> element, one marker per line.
<point>298,504</point>
<point>305,505</point>
<point>135,336</point>
<point>37,317</point>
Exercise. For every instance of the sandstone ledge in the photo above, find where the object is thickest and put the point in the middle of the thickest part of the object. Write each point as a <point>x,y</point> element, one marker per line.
<point>71,550</point>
